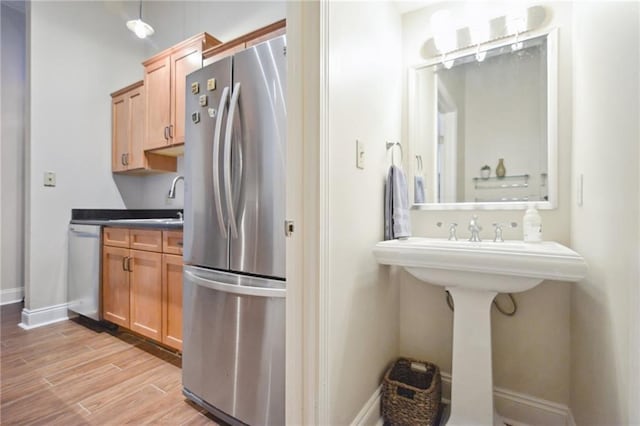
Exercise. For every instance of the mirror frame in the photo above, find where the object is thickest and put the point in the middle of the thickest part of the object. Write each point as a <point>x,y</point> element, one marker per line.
<point>552,126</point>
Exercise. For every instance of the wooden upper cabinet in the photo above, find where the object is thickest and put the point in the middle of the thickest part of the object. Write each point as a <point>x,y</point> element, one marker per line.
<point>240,43</point>
<point>183,63</point>
<point>164,78</point>
<point>128,118</point>
<point>157,102</point>
<point>119,123</point>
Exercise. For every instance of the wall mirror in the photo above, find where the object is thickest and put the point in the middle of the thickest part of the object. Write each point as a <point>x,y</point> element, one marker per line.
<point>470,121</point>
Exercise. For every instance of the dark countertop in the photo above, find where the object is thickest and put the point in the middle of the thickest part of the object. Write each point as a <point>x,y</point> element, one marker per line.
<point>114,217</point>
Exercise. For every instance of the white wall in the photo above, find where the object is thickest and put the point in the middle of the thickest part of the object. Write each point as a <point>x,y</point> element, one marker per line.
<point>364,103</point>
<point>12,151</point>
<point>79,53</point>
<point>605,229</point>
<point>531,351</point>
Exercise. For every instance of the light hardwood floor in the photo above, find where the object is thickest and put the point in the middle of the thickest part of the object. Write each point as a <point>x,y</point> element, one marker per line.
<point>72,373</point>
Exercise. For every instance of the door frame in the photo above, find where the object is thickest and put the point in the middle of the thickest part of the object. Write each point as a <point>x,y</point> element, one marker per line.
<point>307,338</point>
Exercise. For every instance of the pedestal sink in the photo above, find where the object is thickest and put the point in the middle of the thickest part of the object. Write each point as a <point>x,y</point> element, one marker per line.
<point>474,273</point>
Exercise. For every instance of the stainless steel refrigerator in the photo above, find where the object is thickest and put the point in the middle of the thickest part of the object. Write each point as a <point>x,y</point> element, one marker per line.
<point>234,242</point>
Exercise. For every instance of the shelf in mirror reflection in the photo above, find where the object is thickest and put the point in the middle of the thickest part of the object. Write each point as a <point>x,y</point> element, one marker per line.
<point>505,182</point>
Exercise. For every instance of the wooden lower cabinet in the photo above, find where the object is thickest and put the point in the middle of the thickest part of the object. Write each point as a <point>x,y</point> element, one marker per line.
<point>115,285</point>
<point>142,289</point>
<point>172,300</point>
<point>146,293</point>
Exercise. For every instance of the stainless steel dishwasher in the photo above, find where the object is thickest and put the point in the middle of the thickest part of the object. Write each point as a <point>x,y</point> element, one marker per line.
<point>83,273</point>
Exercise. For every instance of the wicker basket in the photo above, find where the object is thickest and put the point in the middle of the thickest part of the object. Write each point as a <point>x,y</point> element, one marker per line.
<point>411,396</point>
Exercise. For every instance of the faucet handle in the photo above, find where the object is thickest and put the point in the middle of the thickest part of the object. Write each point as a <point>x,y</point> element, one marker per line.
<point>498,230</point>
<point>452,230</point>
<point>180,215</point>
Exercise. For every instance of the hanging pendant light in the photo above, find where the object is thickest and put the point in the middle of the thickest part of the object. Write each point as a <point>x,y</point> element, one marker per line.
<point>139,27</point>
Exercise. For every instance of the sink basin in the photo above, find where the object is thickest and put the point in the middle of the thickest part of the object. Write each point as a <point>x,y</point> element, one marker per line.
<point>474,273</point>
<point>503,267</point>
<point>159,221</point>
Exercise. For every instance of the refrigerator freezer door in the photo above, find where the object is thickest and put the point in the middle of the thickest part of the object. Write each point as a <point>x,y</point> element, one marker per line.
<point>259,156</point>
<point>205,224</point>
<point>234,337</point>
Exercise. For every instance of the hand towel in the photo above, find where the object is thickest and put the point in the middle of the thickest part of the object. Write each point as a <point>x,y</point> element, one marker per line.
<point>397,222</point>
<point>418,189</point>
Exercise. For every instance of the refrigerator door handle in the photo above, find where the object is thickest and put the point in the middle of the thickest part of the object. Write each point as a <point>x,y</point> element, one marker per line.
<point>227,159</point>
<point>236,289</point>
<point>216,161</point>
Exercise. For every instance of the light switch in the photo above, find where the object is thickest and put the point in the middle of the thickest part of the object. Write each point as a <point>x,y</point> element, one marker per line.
<point>49,179</point>
<point>195,117</point>
<point>195,88</point>
<point>211,84</point>
<point>203,100</point>
<point>359,154</point>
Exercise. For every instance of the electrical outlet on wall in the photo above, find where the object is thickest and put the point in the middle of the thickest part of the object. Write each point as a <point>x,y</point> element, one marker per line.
<point>49,179</point>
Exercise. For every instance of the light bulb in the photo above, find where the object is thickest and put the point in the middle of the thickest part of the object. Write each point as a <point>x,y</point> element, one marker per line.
<point>140,28</point>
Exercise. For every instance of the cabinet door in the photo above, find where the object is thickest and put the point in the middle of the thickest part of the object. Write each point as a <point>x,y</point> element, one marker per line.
<point>172,301</point>
<point>115,285</point>
<point>183,62</point>
<point>157,83</point>
<point>146,293</point>
<point>119,132</point>
<point>135,159</point>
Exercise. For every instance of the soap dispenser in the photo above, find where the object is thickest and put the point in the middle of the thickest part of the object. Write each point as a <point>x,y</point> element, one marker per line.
<point>532,225</point>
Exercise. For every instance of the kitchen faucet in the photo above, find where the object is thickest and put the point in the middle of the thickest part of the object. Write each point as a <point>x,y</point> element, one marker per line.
<point>172,190</point>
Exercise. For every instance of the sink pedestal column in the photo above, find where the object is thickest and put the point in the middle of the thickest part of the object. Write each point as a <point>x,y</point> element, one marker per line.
<point>472,373</point>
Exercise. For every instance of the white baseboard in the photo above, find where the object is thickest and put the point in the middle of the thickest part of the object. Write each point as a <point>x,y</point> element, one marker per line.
<point>11,295</point>
<point>32,318</point>
<point>370,415</point>
<point>516,408</point>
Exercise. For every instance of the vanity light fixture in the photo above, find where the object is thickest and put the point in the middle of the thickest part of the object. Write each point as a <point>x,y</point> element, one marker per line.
<point>139,27</point>
<point>449,40</point>
<point>517,24</point>
<point>444,35</point>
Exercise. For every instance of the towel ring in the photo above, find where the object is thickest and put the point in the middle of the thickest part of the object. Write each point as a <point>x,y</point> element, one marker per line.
<point>390,145</point>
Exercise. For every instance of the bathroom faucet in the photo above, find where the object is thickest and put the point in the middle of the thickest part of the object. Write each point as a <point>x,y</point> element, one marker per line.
<point>172,190</point>
<point>452,231</point>
<point>475,229</point>
<point>498,230</point>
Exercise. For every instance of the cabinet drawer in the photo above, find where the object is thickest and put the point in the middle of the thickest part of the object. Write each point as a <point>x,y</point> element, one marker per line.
<point>172,242</point>
<point>115,237</point>
<point>147,240</point>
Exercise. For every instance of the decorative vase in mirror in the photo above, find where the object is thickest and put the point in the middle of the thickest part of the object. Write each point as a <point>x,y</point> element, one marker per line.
<point>500,170</point>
